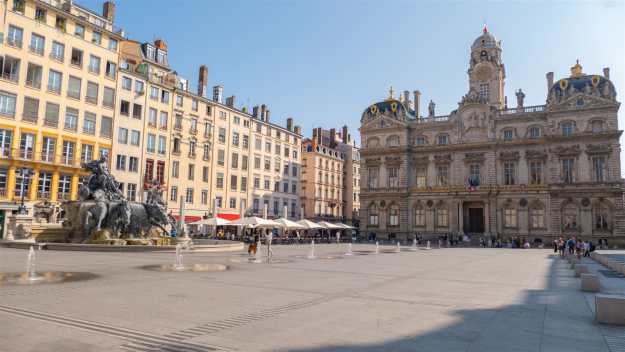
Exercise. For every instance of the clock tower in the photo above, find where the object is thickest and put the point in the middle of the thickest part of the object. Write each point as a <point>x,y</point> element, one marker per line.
<point>486,70</point>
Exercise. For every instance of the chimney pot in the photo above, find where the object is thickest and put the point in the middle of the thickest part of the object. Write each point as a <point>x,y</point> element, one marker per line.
<point>202,81</point>
<point>606,72</point>
<point>230,101</point>
<point>289,124</point>
<point>255,111</point>
<point>267,115</point>
<point>417,103</point>
<point>263,110</point>
<point>345,135</point>
<point>332,137</point>
<point>160,44</point>
<point>297,129</point>
<point>108,11</point>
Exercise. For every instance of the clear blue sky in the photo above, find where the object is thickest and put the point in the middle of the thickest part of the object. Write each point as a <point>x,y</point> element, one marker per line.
<point>323,62</point>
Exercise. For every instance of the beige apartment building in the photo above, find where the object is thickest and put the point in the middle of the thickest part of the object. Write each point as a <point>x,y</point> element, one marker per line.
<point>58,77</point>
<point>322,179</point>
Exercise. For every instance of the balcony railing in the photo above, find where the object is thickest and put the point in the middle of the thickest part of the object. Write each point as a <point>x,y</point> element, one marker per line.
<point>43,194</point>
<point>523,110</point>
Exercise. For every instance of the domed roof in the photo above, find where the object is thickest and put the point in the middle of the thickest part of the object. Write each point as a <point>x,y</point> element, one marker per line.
<point>390,106</point>
<point>486,40</point>
<point>583,83</point>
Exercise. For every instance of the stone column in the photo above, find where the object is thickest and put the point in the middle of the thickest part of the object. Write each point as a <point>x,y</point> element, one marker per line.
<point>181,224</point>
<point>54,186</point>
<point>34,184</point>
<point>74,188</point>
<point>11,183</point>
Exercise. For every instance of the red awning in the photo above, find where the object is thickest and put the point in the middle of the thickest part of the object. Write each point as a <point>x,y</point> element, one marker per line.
<point>229,217</point>
<point>188,218</point>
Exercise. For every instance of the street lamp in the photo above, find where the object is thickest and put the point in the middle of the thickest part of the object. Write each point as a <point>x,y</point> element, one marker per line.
<point>24,173</point>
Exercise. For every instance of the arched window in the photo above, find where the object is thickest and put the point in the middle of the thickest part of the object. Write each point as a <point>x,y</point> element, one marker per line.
<point>373,215</point>
<point>537,216</point>
<point>419,215</point>
<point>393,215</point>
<point>596,126</point>
<point>508,134</point>
<point>570,217</point>
<point>567,128</point>
<point>534,132</point>
<point>392,141</point>
<point>373,142</point>
<point>441,216</point>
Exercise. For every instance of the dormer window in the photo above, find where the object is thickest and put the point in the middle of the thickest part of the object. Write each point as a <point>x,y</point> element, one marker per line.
<point>161,57</point>
<point>534,132</point>
<point>507,135</point>
<point>150,52</point>
<point>567,128</point>
<point>443,139</point>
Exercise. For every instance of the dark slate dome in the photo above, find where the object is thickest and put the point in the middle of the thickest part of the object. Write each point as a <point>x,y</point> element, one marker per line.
<point>582,83</point>
<point>393,107</point>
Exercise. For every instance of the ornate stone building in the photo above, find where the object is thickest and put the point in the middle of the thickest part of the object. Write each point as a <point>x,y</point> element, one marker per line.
<point>529,171</point>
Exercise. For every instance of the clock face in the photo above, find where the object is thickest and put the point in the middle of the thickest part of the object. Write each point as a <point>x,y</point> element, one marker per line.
<point>483,73</point>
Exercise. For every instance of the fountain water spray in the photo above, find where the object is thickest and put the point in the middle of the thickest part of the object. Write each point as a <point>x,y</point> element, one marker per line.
<point>398,247</point>
<point>349,249</point>
<point>178,265</point>
<point>428,246</point>
<point>377,247</point>
<point>414,243</point>
<point>30,265</point>
<point>311,255</point>
<point>257,255</point>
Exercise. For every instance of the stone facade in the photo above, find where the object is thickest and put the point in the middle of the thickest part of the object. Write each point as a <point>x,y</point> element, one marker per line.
<point>532,172</point>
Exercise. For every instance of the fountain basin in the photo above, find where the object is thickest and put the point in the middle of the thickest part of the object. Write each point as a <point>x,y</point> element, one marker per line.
<point>45,277</point>
<point>187,268</point>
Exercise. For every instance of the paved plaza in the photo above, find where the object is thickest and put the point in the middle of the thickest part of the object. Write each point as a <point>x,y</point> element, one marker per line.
<point>438,300</point>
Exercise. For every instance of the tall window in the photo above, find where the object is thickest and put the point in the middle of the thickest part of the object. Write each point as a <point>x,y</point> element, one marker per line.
<point>442,175</point>
<point>536,172</point>
<point>474,172</point>
<point>534,132</point>
<point>393,215</point>
<point>132,192</point>
<point>421,175</point>
<point>509,173</point>
<point>27,145</point>
<point>442,217</point>
<point>599,168</point>
<point>443,139</point>
<point>393,177</point>
<point>48,149</point>
<point>510,217</point>
<point>373,215</point>
<point>45,184</point>
<point>68,152</point>
<point>33,75</point>
<point>373,173</point>
<point>54,81</point>
<point>419,216</point>
<point>65,182</point>
<point>568,168</point>
<point>484,91</point>
<point>537,217</point>
<point>7,104</point>
<point>37,44</point>
<point>601,213</point>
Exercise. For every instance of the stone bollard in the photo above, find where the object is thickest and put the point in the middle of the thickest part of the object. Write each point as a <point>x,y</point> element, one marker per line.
<point>609,309</point>
<point>580,269</point>
<point>590,283</point>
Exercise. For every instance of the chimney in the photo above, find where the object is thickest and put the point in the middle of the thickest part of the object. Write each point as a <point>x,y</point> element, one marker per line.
<point>267,115</point>
<point>417,103</point>
<point>319,136</point>
<point>263,108</point>
<point>345,135</point>
<point>230,101</point>
<point>297,130</point>
<point>314,134</point>
<point>202,81</point>
<point>549,80</point>
<point>332,137</point>
<point>255,111</point>
<point>407,99</point>
<point>289,124</point>
<point>160,44</point>
<point>218,94</point>
<point>108,11</point>
<point>606,72</point>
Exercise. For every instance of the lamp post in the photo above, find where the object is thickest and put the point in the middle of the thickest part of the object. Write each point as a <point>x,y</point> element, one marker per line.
<point>24,173</point>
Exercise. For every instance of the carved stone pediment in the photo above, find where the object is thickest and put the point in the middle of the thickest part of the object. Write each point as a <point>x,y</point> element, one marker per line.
<point>442,158</point>
<point>474,157</point>
<point>535,154</point>
<point>598,149</point>
<point>509,155</point>
<point>421,160</point>
<point>373,161</point>
<point>579,101</point>
<point>392,159</point>
<point>568,150</point>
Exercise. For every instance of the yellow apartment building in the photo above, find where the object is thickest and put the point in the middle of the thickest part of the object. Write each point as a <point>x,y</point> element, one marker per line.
<point>58,71</point>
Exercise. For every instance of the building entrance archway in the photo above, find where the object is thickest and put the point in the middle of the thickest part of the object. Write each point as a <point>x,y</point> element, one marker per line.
<point>473,216</point>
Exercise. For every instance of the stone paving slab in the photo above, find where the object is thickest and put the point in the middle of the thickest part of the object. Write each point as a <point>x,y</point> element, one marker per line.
<point>439,300</point>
